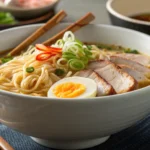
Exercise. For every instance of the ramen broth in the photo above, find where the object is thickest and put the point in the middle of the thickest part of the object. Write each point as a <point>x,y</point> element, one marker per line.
<point>142,17</point>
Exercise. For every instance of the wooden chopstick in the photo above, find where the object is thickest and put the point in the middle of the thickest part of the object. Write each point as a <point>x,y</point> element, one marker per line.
<point>74,27</point>
<point>51,23</point>
<point>4,145</point>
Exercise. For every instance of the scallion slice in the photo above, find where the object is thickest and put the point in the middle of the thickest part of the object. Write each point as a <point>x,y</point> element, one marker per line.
<point>30,69</point>
<point>76,64</point>
<point>59,72</point>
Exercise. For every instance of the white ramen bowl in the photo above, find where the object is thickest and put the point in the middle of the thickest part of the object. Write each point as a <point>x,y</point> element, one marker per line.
<point>75,123</point>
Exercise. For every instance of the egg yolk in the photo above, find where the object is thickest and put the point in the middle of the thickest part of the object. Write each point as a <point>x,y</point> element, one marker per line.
<point>69,90</point>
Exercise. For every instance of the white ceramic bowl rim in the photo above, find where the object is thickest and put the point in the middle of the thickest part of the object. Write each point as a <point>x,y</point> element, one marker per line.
<point>104,98</point>
<point>118,15</point>
<point>13,8</point>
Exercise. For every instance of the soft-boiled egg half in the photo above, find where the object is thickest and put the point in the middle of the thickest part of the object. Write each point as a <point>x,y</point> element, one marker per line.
<point>73,87</point>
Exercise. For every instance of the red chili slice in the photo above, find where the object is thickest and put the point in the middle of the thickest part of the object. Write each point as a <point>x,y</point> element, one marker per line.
<point>44,56</point>
<point>55,48</point>
<point>55,52</point>
<point>58,51</point>
<point>48,52</point>
<point>42,47</point>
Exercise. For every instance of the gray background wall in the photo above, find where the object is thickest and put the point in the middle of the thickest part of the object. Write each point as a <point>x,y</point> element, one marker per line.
<point>77,8</point>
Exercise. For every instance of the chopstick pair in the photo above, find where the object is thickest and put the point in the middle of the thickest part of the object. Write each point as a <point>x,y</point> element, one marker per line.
<point>50,24</point>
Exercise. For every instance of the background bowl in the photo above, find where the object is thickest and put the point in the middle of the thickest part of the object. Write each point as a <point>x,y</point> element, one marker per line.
<point>28,13</point>
<point>40,19</point>
<point>70,123</point>
<point>120,12</point>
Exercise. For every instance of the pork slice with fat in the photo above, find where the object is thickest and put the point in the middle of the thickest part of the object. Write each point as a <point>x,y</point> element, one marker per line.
<point>120,80</point>
<point>141,79</point>
<point>142,59</point>
<point>133,64</point>
<point>103,88</point>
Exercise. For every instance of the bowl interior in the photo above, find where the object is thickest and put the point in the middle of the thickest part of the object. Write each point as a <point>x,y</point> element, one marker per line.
<point>98,33</point>
<point>131,7</point>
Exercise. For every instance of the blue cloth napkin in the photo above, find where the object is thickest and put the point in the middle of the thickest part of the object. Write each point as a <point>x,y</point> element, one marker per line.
<point>136,137</point>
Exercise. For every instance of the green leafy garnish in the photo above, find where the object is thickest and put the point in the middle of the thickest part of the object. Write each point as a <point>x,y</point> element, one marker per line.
<point>131,51</point>
<point>30,69</point>
<point>59,72</point>
<point>7,18</point>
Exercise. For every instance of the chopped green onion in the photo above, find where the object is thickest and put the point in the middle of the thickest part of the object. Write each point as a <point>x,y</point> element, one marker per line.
<point>60,43</point>
<point>30,69</point>
<point>76,64</point>
<point>87,52</point>
<point>62,62</point>
<point>59,72</point>
<point>84,59</point>
<point>79,42</point>
<point>89,47</point>
<point>76,54</point>
<point>104,47</point>
<point>68,55</point>
<point>80,52</point>
<point>6,59</point>
<point>78,45</point>
<point>68,36</point>
<point>131,51</point>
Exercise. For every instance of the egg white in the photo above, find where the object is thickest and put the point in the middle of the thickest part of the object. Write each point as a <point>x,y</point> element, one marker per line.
<point>90,85</point>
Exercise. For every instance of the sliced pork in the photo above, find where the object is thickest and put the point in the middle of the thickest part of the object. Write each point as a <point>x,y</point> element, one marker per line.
<point>133,64</point>
<point>120,80</point>
<point>102,86</point>
<point>142,59</point>
<point>138,76</point>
